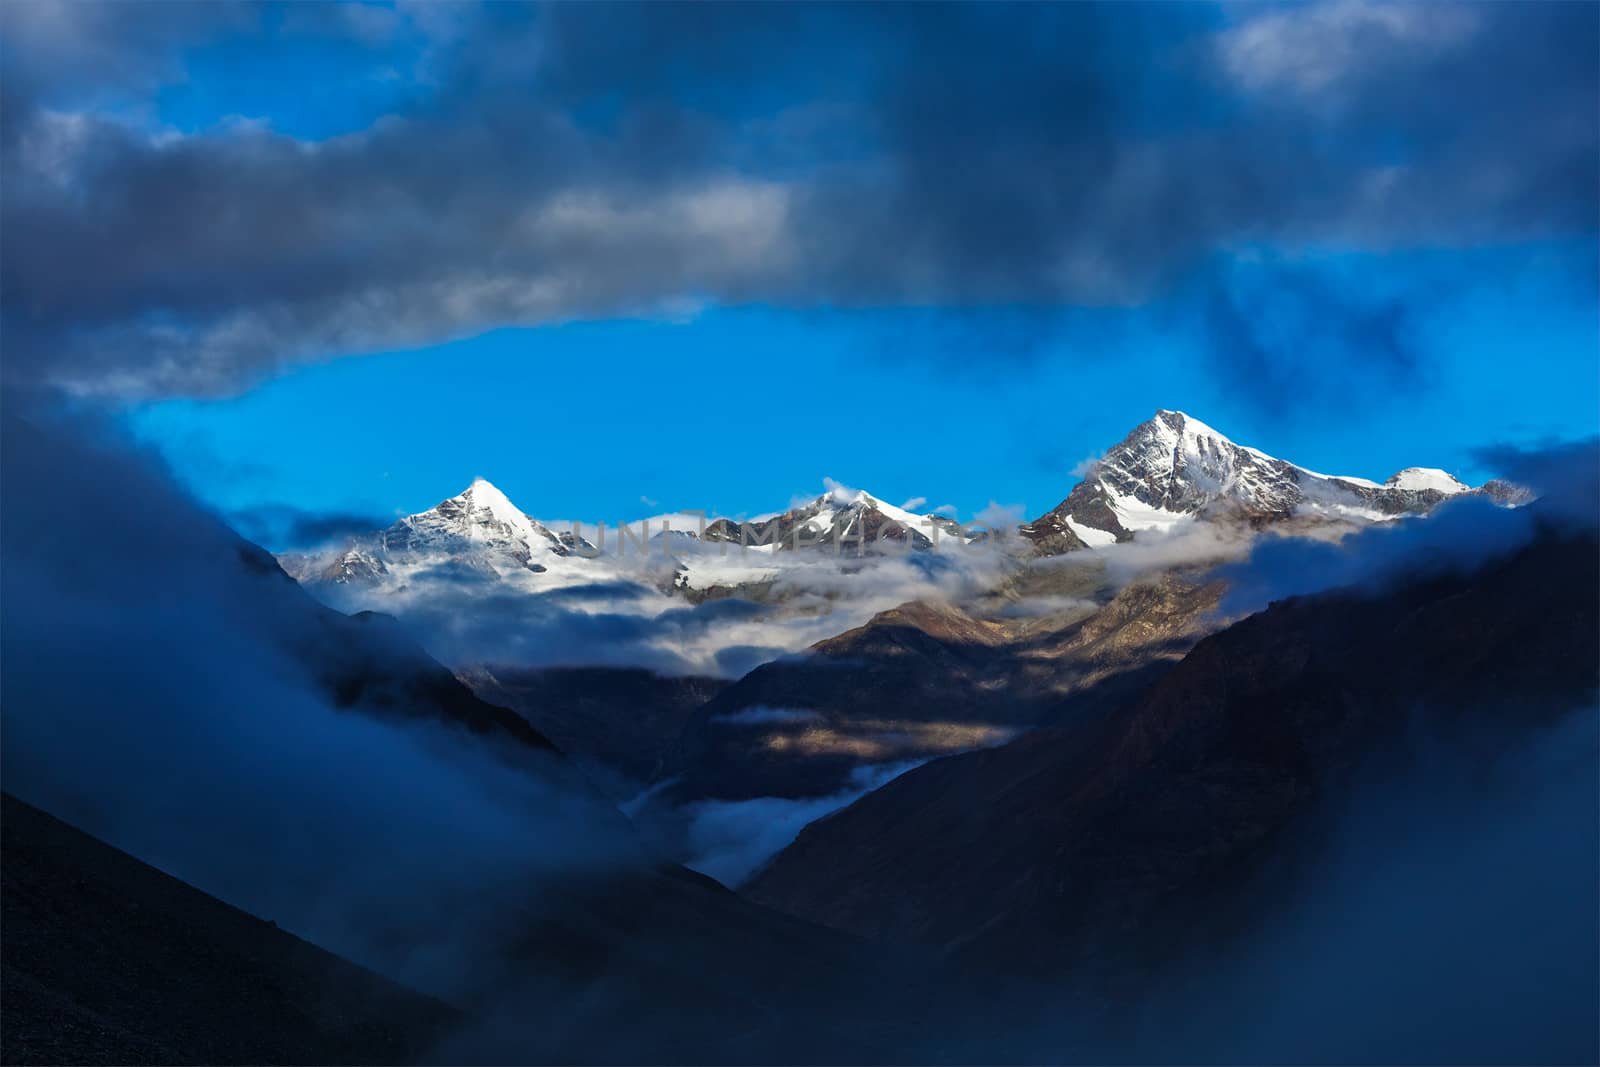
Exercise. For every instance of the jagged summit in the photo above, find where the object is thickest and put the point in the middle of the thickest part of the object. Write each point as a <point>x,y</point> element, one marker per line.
<point>1173,468</point>
<point>477,531</point>
<point>841,514</point>
<point>1170,469</point>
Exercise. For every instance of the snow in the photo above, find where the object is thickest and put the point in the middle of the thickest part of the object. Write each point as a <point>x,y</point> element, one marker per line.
<point>1193,427</point>
<point>1365,483</point>
<point>1089,535</point>
<point>920,523</point>
<point>483,494</point>
<point>1427,478</point>
<point>1136,515</point>
<point>1181,465</point>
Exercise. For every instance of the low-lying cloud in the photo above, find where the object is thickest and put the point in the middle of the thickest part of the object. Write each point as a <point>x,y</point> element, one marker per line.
<point>761,715</point>
<point>155,693</point>
<point>730,839</point>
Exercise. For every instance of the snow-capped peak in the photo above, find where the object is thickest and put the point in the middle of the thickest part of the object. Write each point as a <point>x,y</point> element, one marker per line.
<point>841,498</point>
<point>844,496</point>
<point>483,496</point>
<point>482,523</point>
<point>1428,478</point>
<point>1191,426</point>
<point>1174,467</point>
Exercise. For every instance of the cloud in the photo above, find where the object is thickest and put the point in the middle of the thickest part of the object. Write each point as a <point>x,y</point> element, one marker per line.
<point>1085,466</point>
<point>1292,335</point>
<point>1316,49</point>
<point>152,694</point>
<point>553,165</point>
<point>1000,518</point>
<point>730,839</point>
<point>284,526</point>
<point>761,715</point>
<point>1361,950</point>
<point>1459,536</point>
<point>914,503</point>
<point>466,616</point>
<point>1564,475</point>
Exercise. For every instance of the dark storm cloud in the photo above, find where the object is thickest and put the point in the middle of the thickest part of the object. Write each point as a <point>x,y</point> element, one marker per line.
<point>585,160</point>
<point>1566,475</point>
<point>284,526</point>
<point>1290,335</point>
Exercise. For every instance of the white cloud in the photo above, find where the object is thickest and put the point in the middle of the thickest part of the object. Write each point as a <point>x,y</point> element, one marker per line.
<point>731,839</point>
<point>1312,48</point>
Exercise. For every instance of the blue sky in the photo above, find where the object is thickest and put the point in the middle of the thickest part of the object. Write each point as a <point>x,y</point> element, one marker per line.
<point>344,258</point>
<point>740,409</point>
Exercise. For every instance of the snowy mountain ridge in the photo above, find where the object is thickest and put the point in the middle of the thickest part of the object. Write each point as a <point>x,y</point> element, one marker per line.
<point>1173,468</point>
<point>841,516</point>
<point>1169,470</point>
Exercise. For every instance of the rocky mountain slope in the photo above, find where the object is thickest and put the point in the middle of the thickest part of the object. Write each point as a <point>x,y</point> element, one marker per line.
<point>927,679</point>
<point>619,723</point>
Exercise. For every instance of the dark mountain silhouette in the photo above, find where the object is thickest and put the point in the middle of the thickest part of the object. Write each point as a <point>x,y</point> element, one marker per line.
<point>108,960</point>
<point>1101,848</point>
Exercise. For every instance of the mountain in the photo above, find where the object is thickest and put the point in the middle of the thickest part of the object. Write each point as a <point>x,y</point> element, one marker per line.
<point>618,723</point>
<point>1167,471</point>
<point>480,532</point>
<point>1103,847</point>
<point>109,960</point>
<point>367,662</point>
<point>477,531</point>
<point>851,519</point>
<point>927,679</point>
<point>480,522</point>
<point>1174,468</point>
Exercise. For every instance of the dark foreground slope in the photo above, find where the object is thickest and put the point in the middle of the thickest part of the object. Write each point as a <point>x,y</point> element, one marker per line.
<point>1102,851</point>
<point>108,960</point>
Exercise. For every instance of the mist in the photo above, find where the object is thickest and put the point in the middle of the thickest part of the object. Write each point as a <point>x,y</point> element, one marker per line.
<point>1441,909</point>
<point>772,605</point>
<point>152,696</point>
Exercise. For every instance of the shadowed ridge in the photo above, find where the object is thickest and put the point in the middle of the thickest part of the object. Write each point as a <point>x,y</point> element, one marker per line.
<point>109,960</point>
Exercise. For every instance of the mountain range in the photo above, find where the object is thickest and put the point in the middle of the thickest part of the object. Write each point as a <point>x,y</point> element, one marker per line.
<point>942,666</point>
<point>1169,471</point>
<point>1174,469</point>
<point>1100,801</point>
